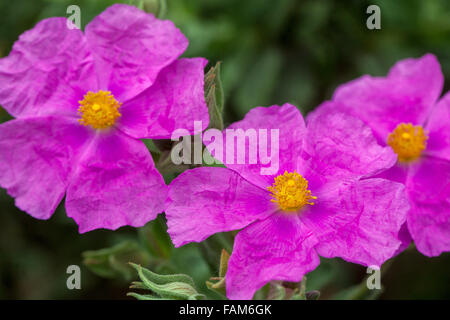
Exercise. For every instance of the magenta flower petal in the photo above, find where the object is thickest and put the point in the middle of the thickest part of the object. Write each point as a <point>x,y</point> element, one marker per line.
<point>429,218</point>
<point>405,237</point>
<point>47,72</point>
<point>130,47</point>
<point>406,95</point>
<point>208,200</point>
<point>342,147</point>
<point>277,248</point>
<point>174,101</point>
<point>115,184</point>
<point>36,161</point>
<point>438,128</point>
<point>429,226</point>
<point>358,221</point>
<point>398,173</point>
<point>289,122</point>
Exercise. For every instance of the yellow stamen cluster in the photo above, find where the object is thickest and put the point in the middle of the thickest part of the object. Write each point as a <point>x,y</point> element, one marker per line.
<point>407,141</point>
<point>99,109</point>
<point>290,191</point>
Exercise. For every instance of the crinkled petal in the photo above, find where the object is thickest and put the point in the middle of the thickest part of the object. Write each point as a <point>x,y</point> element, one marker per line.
<point>406,95</point>
<point>277,248</point>
<point>174,101</point>
<point>339,146</point>
<point>438,129</point>
<point>397,173</point>
<point>115,184</point>
<point>405,237</point>
<point>429,219</point>
<point>47,72</point>
<point>286,123</point>
<point>358,221</point>
<point>130,47</point>
<point>207,200</point>
<point>430,227</point>
<point>36,157</point>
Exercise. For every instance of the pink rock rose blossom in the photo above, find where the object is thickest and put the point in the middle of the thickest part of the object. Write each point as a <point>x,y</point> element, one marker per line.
<point>320,202</point>
<point>81,102</point>
<point>405,111</point>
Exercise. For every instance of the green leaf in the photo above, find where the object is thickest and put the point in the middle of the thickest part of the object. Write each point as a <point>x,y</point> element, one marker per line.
<point>151,146</point>
<point>168,287</point>
<point>163,279</point>
<point>214,97</point>
<point>219,284</point>
<point>143,296</point>
<point>224,258</point>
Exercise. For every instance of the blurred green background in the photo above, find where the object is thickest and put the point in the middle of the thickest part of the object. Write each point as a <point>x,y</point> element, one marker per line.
<point>272,52</point>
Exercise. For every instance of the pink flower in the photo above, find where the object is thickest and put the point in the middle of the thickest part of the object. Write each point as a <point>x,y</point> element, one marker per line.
<point>82,102</point>
<point>320,202</point>
<point>404,112</point>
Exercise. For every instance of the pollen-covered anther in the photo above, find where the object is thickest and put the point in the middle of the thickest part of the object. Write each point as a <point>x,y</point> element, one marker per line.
<point>290,191</point>
<point>99,110</point>
<point>407,141</point>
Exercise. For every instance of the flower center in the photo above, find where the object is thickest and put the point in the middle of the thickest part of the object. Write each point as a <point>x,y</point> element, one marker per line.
<point>99,109</point>
<point>407,141</point>
<point>290,191</point>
